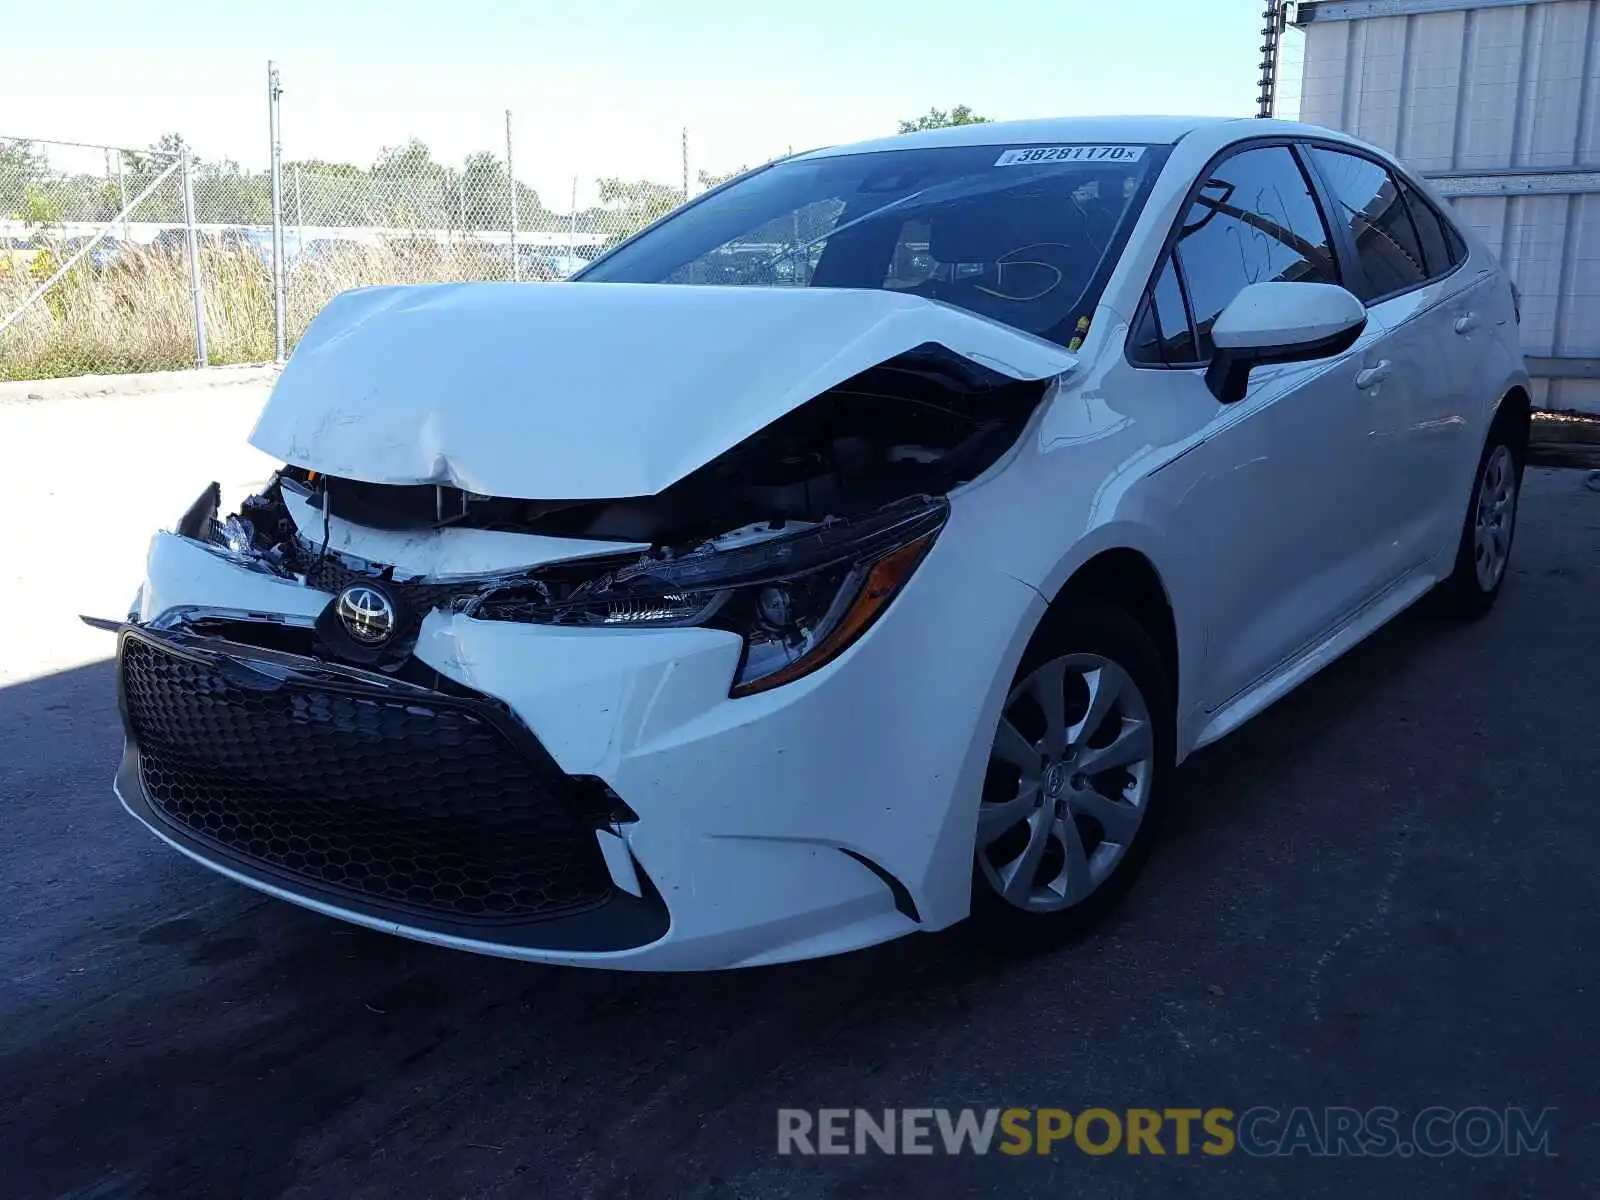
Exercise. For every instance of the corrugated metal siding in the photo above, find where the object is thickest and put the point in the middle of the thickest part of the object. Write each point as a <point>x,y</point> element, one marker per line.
<point>1492,88</point>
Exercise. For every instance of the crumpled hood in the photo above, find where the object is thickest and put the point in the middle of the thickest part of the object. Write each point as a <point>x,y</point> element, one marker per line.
<point>581,391</point>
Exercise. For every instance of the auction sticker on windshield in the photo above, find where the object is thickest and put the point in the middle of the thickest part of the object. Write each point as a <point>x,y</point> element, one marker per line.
<point>1053,154</point>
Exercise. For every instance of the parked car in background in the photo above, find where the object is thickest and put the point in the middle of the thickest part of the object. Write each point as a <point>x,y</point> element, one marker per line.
<point>238,240</point>
<point>663,623</point>
<point>561,265</point>
<point>102,253</point>
<point>174,241</point>
<point>321,250</point>
<point>259,241</point>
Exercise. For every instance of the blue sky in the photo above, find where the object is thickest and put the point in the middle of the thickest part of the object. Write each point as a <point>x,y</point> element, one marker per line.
<point>604,88</point>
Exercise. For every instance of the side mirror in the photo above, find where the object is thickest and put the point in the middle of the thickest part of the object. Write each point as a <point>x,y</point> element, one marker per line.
<point>1280,323</point>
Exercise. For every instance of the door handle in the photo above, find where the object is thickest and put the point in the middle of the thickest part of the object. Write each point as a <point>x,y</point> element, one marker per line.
<point>1466,322</point>
<point>1373,375</point>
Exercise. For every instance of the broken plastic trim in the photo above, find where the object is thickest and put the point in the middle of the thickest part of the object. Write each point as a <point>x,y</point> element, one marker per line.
<point>903,901</point>
<point>198,520</point>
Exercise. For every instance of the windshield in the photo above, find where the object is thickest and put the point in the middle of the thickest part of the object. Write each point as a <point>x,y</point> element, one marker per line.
<point>1026,235</point>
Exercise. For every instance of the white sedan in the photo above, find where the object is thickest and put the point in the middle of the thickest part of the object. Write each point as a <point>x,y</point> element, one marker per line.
<point>853,552</point>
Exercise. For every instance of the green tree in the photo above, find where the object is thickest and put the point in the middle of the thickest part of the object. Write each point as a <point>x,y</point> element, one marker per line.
<point>411,188</point>
<point>21,168</point>
<point>19,157</point>
<point>481,194</point>
<point>627,206</point>
<point>411,161</point>
<point>319,166</point>
<point>318,192</point>
<point>710,179</point>
<point>936,118</point>
<point>40,209</point>
<point>227,194</point>
<point>139,170</point>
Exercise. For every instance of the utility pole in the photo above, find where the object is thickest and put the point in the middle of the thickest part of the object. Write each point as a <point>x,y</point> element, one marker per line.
<point>686,164</point>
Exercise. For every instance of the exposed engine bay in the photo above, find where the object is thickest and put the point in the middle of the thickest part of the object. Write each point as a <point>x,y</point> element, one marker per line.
<point>796,538</point>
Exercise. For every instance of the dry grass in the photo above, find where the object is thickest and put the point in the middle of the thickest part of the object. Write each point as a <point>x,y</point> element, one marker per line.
<point>135,313</point>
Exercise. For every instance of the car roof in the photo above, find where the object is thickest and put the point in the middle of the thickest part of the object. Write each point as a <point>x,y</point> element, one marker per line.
<point>1107,130</point>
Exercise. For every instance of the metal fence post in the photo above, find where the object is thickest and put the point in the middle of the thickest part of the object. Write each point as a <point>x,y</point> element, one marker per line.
<point>273,92</point>
<point>196,291</point>
<point>122,195</point>
<point>511,177</point>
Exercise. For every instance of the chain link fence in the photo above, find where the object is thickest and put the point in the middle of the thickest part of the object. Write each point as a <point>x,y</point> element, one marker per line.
<point>106,270</point>
<point>343,230</point>
<point>92,276</point>
<point>115,260</point>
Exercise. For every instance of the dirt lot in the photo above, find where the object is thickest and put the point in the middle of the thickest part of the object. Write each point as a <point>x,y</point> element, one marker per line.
<point>1383,892</point>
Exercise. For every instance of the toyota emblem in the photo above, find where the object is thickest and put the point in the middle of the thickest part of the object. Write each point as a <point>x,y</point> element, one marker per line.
<point>368,615</point>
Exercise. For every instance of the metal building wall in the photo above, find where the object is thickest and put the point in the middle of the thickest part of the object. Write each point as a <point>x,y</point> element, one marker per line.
<point>1498,103</point>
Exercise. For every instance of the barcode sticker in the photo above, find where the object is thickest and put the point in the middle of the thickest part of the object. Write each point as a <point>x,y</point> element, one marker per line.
<point>1029,155</point>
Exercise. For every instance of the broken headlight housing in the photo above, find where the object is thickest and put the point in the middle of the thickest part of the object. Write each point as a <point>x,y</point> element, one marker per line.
<point>798,599</point>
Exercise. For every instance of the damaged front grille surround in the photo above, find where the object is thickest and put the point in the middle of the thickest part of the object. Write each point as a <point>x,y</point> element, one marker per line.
<point>383,791</point>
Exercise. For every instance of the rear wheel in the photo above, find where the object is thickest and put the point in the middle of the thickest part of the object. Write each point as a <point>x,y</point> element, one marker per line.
<point>1076,779</point>
<point>1484,551</point>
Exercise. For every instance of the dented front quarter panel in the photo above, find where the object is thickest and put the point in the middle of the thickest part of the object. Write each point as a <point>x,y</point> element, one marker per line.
<point>588,390</point>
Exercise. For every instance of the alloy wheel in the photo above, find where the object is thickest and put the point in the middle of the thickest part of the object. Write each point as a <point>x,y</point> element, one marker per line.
<point>1495,518</point>
<point>1068,783</point>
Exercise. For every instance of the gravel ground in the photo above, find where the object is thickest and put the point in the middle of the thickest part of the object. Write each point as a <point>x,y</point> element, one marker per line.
<point>1382,892</point>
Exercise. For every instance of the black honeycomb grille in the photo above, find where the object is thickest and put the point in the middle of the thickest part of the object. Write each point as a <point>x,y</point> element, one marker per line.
<point>425,805</point>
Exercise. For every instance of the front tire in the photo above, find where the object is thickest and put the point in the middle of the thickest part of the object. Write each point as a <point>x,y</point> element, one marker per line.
<point>1076,781</point>
<point>1484,553</point>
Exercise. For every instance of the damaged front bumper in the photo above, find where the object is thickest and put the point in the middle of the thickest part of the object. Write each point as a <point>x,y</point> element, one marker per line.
<point>392,804</point>
<point>706,831</point>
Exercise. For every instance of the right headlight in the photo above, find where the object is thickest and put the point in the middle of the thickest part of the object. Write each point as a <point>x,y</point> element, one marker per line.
<point>797,599</point>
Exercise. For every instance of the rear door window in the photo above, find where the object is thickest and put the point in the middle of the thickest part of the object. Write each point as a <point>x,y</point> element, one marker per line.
<point>1438,255</point>
<point>1372,208</point>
